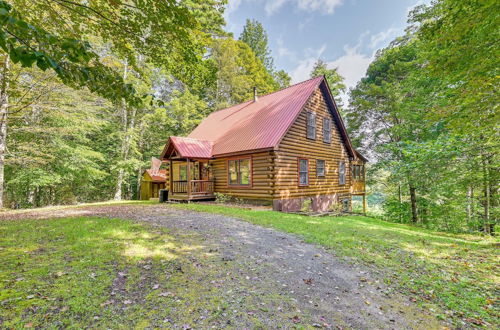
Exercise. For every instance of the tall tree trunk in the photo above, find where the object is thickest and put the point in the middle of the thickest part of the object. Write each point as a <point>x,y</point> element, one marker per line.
<point>413,200</point>
<point>400,196</point>
<point>4,107</point>
<point>140,146</point>
<point>470,201</point>
<point>487,193</point>
<point>124,148</point>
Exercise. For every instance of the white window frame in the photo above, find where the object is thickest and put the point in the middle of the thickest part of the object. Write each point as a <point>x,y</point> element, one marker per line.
<point>301,171</point>
<point>327,130</point>
<point>342,173</point>
<point>322,174</point>
<point>311,125</point>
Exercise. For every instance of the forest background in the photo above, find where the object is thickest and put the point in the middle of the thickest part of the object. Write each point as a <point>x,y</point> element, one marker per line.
<point>90,91</point>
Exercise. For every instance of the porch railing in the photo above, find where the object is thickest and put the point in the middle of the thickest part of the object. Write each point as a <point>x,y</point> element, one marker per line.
<point>179,187</point>
<point>202,187</point>
<point>198,187</point>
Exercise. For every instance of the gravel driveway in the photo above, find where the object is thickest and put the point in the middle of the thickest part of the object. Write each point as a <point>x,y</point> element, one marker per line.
<point>317,285</point>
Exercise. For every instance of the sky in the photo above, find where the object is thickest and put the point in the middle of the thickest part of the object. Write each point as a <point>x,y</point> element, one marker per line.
<point>344,33</point>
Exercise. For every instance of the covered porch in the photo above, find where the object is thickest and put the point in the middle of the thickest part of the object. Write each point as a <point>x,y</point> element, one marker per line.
<point>190,177</point>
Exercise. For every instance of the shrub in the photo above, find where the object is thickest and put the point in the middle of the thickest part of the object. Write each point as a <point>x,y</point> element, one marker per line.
<point>221,198</point>
<point>306,205</point>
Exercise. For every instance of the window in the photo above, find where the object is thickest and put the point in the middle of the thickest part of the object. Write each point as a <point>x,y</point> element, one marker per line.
<point>327,130</point>
<point>182,173</point>
<point>342,173</point>
<point>358,172</point>
<point>239,172</point>
<point>303,172</point>
<point>320,167</point>
<point>311,125</point>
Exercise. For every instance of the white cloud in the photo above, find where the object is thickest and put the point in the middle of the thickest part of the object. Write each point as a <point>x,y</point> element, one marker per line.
<point>304,67</point>
<point>232,6</point>
<point>382,37</point>
<point>325,6</point>
<point>283,51</point>
<point>352,65</point>
<point>312,5</point>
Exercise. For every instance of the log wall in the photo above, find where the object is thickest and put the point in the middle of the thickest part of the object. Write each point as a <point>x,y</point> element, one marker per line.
<point>296,145</point>
<point>262,183</point>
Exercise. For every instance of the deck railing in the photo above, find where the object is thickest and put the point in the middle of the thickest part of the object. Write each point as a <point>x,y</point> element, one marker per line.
<point>202,187</point>
<point>179,187</point>
<point>198,187</point>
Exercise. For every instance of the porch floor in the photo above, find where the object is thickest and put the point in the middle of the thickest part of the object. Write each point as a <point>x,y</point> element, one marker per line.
<point>184,197</point>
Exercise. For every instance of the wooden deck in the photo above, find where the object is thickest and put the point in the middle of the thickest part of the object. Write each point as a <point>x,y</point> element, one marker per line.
<point>192,190</point>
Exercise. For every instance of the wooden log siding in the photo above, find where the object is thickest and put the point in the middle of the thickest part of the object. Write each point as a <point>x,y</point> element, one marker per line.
<point>295,144</point>
<point>262,185</point>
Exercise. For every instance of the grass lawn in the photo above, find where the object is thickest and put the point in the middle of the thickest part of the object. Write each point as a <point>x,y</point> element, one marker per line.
<point>113,273</point>
<point>458,273</point>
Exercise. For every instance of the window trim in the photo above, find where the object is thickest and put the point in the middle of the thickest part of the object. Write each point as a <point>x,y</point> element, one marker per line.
<point>344,174</point>
<point>329,120</point>
<point>308,172</point>
<point>324,168</point>
<point>250,179</point>
<point>309,113</point>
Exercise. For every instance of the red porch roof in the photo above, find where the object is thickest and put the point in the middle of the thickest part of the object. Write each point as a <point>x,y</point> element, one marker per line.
<point>188,147</point>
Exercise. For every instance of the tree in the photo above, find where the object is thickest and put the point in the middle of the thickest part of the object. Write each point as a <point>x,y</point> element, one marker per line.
<point>334,79</point>
<point>464,57</point>
<point>255,36</point>
<point>60,36</point>
<point>282,78</point>
<point>238,71</point>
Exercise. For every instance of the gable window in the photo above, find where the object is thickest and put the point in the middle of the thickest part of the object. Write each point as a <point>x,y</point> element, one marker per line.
<point>311,125</point>
<point>238,173</point>
<point>342,173</point>
<point>303,172</point>
<point>327,130</point>
<point>320,167</point>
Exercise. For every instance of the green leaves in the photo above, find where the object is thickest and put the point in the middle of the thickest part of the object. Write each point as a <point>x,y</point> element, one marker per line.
<point>74,61</point>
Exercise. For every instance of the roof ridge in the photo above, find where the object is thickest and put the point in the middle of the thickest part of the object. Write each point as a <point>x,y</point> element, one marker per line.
<point>279,90</point>
<point>190,138</point>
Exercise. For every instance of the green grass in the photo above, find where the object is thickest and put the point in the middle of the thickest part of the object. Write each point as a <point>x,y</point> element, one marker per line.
<point>455,275</point>
<point>113,273</point>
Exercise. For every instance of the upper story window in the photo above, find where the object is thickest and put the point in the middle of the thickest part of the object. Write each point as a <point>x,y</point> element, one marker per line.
<point>239,172</point>
<point>327,130</point>
<point>358,172</point>
<point>303,172</point>
<point>342,173</point>
<point>311,125</point>
<point>320,167</point>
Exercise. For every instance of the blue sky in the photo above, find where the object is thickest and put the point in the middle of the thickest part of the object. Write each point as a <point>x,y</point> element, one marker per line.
<point>344,33</point>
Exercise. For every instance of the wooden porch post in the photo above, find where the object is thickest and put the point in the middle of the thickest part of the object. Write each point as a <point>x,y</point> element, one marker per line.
<point>364,203</point>
<point>170,179</point>
<point>188,180</point>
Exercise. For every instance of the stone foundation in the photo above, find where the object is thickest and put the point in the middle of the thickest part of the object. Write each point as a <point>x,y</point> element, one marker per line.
<point>321,203</point>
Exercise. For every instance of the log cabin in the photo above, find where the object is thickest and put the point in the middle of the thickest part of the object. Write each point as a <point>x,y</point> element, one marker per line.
<point>288,149</point>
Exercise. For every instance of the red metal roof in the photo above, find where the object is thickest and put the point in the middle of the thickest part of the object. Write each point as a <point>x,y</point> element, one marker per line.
<point>252,125</point>
<point>191,148</point>
<point>255,125</point>
<point>157,175</point>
